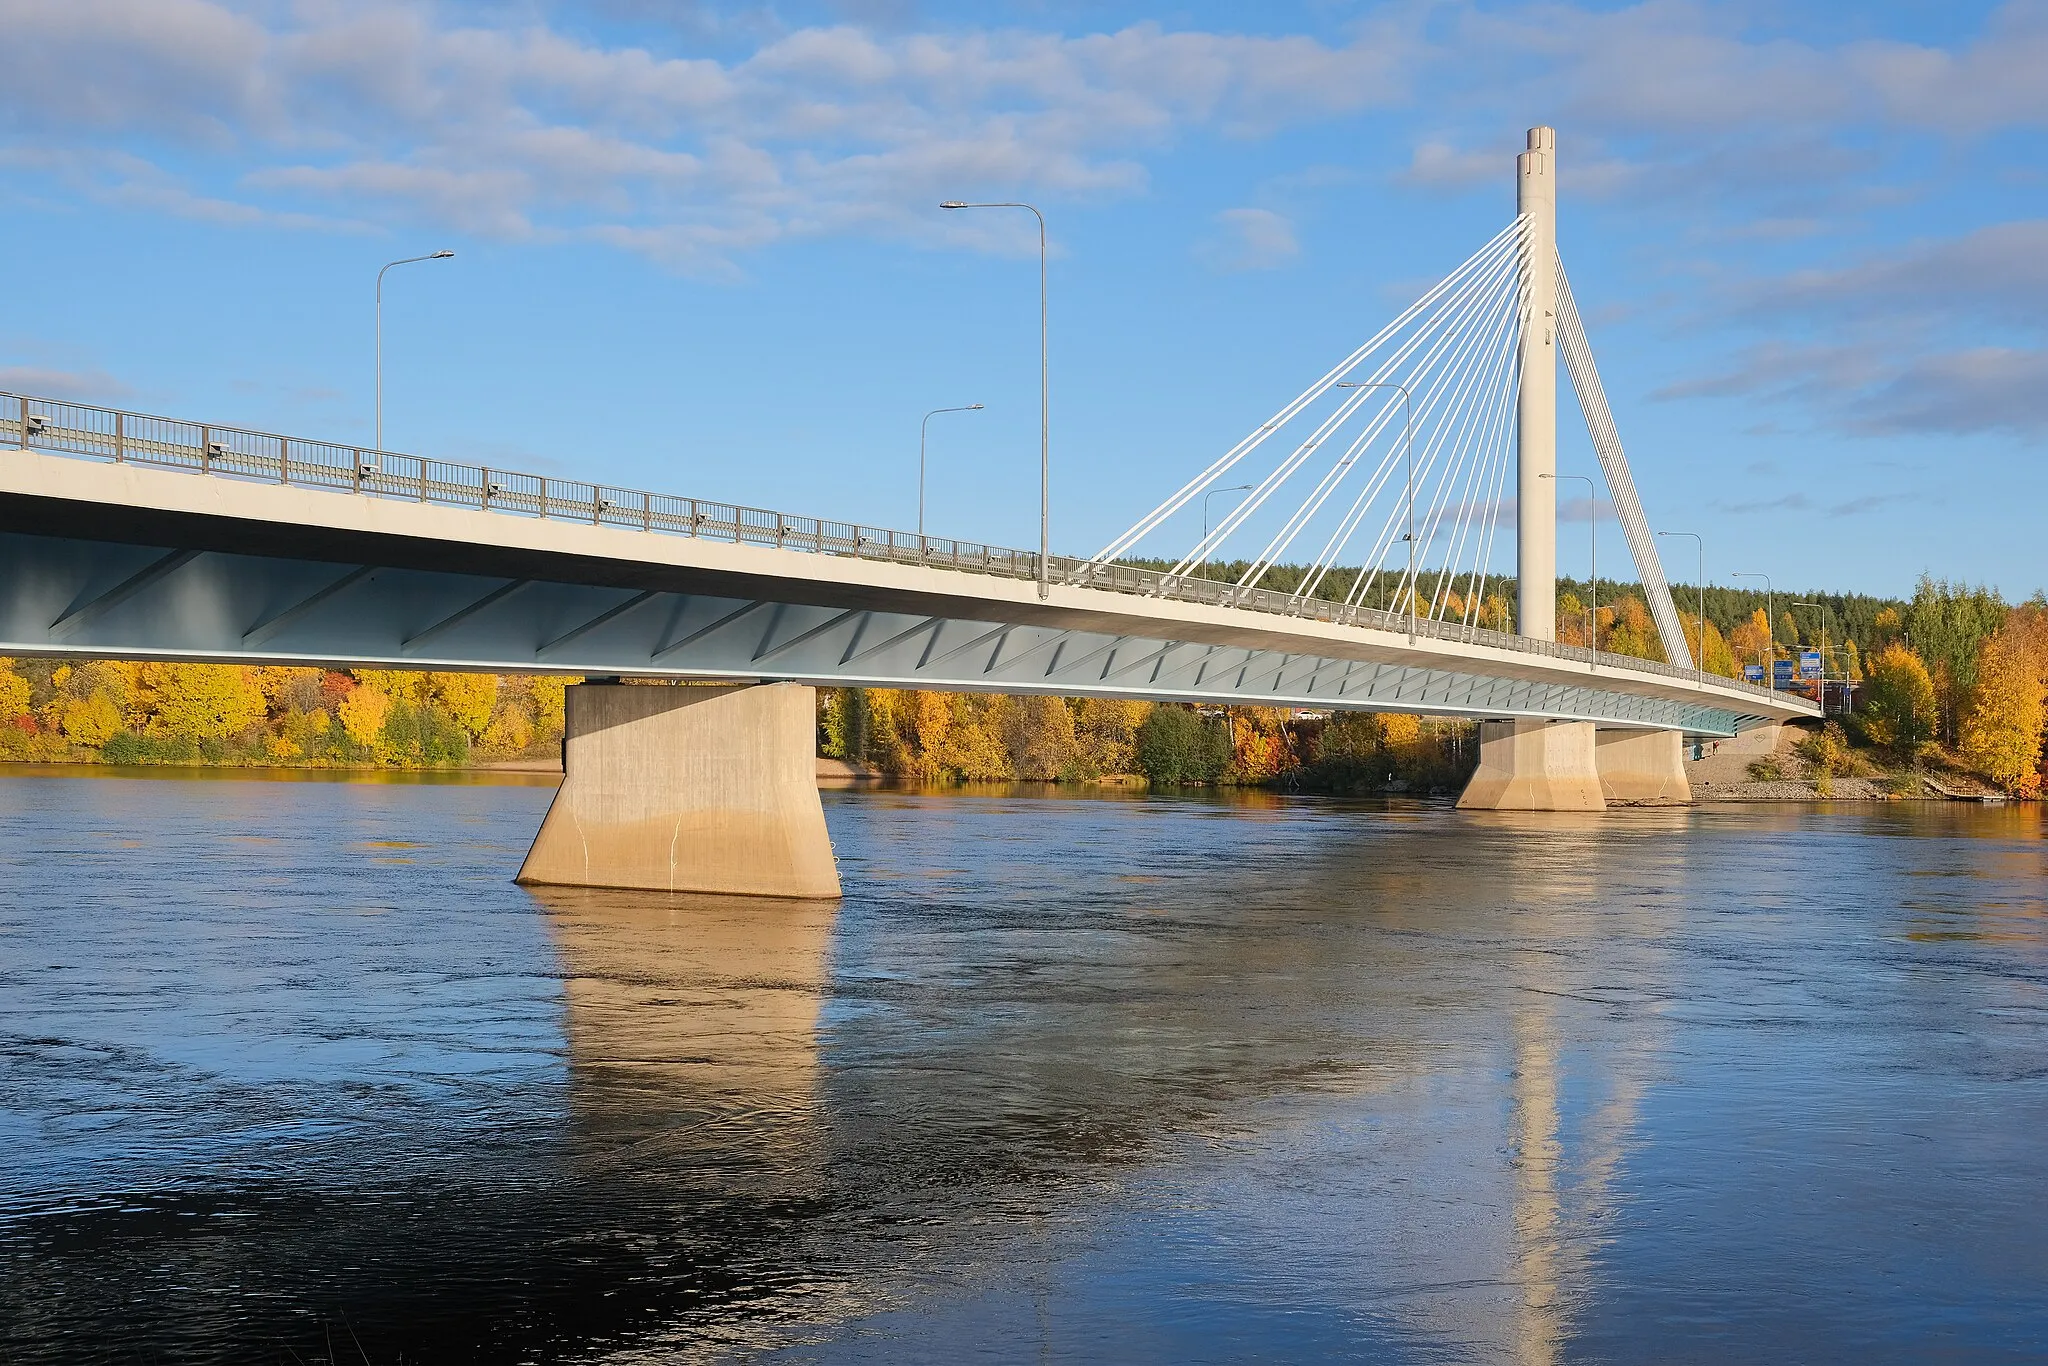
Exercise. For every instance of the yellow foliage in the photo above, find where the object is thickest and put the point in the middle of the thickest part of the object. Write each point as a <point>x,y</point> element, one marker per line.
<point>1626,629</point>
<point>281,747</point>
<point>1041,738</point>
<point>930,715</point>
<point>2001,735</point>
<point>363,712</point>
<point>1717,658</point>
<point>547,690</point>
<point>1106,732</point>
<point>400,685</point>
<point>199,701</point>
<point>468,697</point>
<point>1898,700</point>
<point>14,691</point>
<point>1751,640</point>
<point>509,732</point>
<point>1398,729</point>
<point>90,720</point>
<point>284,688</point>
<point>973,748</point>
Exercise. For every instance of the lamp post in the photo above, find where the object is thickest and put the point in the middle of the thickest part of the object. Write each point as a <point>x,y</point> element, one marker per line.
<point>1823,651</point>
<point>1700,655</point>
<point>1408,461</point>
<point>921,429</point>
<point>441,255</point>
<point>1230,488</point>
<point>1770,626</point>
<point>1044,396</point>
<point>1593,570</point>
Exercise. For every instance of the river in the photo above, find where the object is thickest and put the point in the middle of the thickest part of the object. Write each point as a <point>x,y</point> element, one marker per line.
<point>290,1071</point>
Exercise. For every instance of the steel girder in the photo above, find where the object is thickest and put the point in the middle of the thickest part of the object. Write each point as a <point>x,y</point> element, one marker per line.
<point>67,596</point>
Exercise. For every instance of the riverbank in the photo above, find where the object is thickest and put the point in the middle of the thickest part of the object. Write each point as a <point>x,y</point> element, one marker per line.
<point>1730,772</point>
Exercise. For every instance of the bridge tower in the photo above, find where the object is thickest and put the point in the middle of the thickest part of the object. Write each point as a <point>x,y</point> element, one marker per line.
<point>1536,411</point>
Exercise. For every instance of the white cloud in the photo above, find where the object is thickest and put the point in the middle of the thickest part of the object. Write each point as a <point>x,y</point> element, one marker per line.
<point>78,386</point>
<point>388,111</point>
<point>1249,239</point>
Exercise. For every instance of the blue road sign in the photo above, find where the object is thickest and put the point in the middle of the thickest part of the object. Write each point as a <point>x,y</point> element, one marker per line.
<point>1753,673</point>
<point>1781,673</point>
<point>1809,663</point>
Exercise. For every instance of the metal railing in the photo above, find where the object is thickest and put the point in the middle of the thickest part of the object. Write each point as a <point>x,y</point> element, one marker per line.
<point>234,452</point>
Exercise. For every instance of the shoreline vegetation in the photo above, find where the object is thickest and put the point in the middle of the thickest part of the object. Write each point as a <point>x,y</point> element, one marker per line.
<point>1945,694</point>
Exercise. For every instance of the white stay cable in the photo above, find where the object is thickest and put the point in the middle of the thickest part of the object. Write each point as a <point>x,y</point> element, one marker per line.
<point>1483,563</point>
<point>1457,428</point>
<point>1447,360</point>
<point>1621,486</point>
<point>1511,235</point>
<point>1442,366</point>
<point>1491,466</point>
<point>1436,434</point>
<point>1476,462</point>
<point>1444,325</point>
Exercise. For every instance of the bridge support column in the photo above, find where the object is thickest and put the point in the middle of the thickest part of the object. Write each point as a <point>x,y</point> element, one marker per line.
<point>1642,767</point>
<point>1535,766</point>
<point>688,789</point>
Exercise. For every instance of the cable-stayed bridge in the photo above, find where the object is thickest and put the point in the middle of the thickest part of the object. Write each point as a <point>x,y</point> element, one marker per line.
<point>1387,478</point>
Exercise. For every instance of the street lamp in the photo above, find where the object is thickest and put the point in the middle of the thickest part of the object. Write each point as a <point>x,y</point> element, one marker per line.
<point>1593,572</point>
<point>1408,460</point>
<point>441,255</point>
<point>1770,627</point>
<point>1823,653</point>
<point>1230,488</point>
<point>1700,656</point>
<point>1044,396</point>
<point>921,428</point>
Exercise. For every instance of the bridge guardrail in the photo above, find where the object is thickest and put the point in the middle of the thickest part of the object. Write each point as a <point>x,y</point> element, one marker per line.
<point>139,438</point>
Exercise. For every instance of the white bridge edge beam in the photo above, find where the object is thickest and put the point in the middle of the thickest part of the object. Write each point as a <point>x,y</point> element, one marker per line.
<point>1536,407</point>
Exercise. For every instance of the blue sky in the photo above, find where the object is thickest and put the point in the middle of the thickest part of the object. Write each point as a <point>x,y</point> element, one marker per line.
<point>698,246</point>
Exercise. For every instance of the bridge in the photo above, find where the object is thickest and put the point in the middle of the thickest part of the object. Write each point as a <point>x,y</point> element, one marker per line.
<point>302,552</point>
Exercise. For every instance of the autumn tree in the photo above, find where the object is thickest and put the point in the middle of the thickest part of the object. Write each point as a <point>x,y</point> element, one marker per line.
<point>1626,629</point>
<point>1751,640</point>
<point>1259,744</point>
<point>468,698</point>
<point>1947,624</point>
<point>1042,741</point>
<point>363,713</point>
<point>1106,734</point>
<point>2001,733</point>
<point>199,702</point>
<point>15,693</point>
<point>1898,701</point>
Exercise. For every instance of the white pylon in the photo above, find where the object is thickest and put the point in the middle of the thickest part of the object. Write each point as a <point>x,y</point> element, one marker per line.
<point>1536,409</point>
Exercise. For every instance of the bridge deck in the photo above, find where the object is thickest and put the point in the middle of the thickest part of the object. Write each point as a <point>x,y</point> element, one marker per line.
<point>121,560</point>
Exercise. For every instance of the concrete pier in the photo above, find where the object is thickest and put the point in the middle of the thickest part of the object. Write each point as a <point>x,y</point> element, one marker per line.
<point>1642,767</point>
<point>688,789</point>
<point>1535,766</point>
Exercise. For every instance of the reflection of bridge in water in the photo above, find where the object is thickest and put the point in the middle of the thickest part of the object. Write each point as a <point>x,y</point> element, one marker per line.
<point>1390,484</point>
<point>779,1049</point>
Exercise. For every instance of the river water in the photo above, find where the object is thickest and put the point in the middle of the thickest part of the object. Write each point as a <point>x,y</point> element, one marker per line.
<point>290,1071</point>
